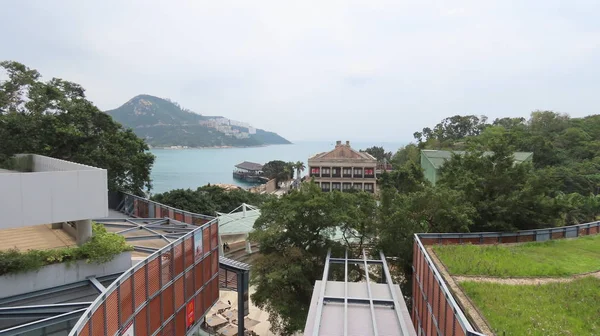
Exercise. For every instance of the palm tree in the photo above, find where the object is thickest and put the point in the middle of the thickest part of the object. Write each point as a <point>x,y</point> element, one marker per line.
<point>299,166</point>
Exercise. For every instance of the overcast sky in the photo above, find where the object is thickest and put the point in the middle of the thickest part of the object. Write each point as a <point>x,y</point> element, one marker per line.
<point>320,70</point>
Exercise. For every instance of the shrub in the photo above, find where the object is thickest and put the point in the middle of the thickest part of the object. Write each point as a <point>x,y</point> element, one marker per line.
<point>102,247</point>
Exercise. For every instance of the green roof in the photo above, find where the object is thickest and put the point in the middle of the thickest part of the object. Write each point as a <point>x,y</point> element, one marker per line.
<point>438,157</point>
<point>239,221</point>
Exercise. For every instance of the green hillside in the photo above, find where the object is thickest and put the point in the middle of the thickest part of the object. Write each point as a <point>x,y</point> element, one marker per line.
<point>163,123</point>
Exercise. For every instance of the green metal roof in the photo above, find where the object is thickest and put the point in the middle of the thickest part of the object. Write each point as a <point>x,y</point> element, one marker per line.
<point>239,221</point>
<point>438,157</point>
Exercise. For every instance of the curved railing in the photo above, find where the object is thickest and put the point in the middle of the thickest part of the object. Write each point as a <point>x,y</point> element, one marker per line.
<point>435,311</point>
<point>170,290</point>
<point>144,208</point>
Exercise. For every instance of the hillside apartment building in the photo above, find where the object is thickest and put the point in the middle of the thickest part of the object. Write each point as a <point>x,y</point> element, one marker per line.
<point>344,168</point>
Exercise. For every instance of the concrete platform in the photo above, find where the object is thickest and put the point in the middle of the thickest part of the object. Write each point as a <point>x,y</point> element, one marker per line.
<point>37,237</point>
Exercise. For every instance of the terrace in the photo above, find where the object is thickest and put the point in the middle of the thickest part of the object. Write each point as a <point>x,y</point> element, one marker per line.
<point>533,288</point>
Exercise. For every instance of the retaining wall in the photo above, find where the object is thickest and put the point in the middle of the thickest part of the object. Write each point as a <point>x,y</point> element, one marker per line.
<point>60,274</point>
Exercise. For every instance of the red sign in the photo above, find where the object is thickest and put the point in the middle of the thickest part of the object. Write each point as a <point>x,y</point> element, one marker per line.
<point>189,314</point>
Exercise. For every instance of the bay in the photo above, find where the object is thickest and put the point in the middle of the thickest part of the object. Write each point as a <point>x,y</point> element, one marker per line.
<point>193,168</point>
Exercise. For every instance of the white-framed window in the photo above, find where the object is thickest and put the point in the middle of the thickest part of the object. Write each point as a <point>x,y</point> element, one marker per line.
<point>357,171</point>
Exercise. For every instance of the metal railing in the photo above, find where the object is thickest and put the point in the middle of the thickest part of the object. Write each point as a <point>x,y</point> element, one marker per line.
<point>170,290</point>
<point>136,206</point>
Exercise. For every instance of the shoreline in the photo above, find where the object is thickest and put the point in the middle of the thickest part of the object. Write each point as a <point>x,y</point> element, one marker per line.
<point>213,147</point>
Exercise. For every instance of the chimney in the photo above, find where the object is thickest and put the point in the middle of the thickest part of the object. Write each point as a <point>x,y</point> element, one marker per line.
<point>338,143</point>
<point>347,143</point>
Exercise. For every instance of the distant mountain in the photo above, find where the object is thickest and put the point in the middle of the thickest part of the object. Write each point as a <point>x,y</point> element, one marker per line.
<point>164,123</point>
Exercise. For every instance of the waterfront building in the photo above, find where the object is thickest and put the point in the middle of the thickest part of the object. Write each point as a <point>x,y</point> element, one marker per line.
<point>343,169</point>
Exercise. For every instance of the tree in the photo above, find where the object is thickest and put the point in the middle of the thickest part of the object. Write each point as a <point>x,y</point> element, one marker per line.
<point>451,129</point>
<point>378,153</point>
<point>209,200</point>
<point>55,119</point>
<point>294,233</point>
<point>278,170</point>
<point>299,167</point>
<point>401,215</point>
<point>406,178</point>
<point>408,153</point>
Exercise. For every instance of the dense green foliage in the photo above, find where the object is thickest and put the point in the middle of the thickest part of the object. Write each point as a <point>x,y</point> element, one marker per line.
<point>569,308</point>
<point>209,200</point>
<point>54,118</point>
<point>379,153</point>
<point>552,258</point>
<point>101,248</point>
<point>279,170</point>
<point>294,233</point>
<point>164,123</point>
<point>478,192</point>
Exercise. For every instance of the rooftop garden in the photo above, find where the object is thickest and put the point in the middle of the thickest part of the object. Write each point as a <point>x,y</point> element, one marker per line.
<point>101,248</point>
<point>554,258</point>
<point>530,288</point>
<point>561,308</point>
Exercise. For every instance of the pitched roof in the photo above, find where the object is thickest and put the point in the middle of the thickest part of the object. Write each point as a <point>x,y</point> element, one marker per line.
<point>438,157</point>
<point>239,221</point>
<point>249,166</point>
<point>343,152</point>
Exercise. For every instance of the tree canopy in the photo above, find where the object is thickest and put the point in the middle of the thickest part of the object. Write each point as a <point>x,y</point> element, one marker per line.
<point>480,190</point>
<point>294,233</point>
<point>379,153</point>
<point>279,170</point>
<point>54,118</point>
<point>208,200</point>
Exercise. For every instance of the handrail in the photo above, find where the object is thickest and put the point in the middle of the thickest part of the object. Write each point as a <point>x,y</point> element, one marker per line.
<point>521,233</point>
<point>126,275</point>
<point>206,217</point>
<point>460,316</point>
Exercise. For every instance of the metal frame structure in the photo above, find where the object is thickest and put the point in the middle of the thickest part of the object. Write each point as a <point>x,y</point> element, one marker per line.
<point>48,314</point>
<point>176,230</point>
<point>323,299</point>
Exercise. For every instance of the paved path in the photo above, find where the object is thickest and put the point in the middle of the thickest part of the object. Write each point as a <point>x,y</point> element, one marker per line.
<point>524,281</point>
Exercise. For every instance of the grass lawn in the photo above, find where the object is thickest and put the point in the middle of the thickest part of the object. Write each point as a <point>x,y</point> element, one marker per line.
<point>570,308</point>
<point>560,257</point>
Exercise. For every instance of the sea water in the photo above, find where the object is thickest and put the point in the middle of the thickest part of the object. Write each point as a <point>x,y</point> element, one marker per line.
<point>193,168</point>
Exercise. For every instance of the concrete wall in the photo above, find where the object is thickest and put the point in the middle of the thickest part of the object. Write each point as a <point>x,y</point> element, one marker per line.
<point>56,191</point>
<point>60,274</point>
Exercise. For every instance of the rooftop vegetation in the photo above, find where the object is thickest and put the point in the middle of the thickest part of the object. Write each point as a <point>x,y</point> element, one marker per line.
<point>567,308</point>
<point>556,258</point>
<point>101,248</point>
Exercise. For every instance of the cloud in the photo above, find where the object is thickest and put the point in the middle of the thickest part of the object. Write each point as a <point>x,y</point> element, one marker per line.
<point>359,70</point>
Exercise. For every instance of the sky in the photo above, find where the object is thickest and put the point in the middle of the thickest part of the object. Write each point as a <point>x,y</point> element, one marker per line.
<point>320,70</point>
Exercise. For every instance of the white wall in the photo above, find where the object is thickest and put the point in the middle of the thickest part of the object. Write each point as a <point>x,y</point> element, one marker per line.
<point>61,191</point>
